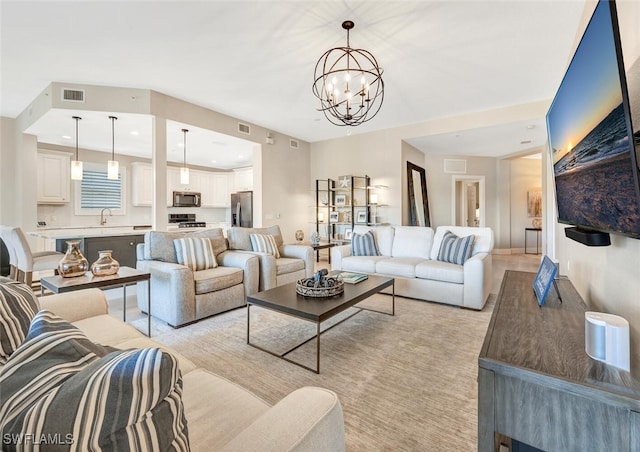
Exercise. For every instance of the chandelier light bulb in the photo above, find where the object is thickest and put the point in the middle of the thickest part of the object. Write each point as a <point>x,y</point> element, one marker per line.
<point>76,165</point>
<point>341,62</point>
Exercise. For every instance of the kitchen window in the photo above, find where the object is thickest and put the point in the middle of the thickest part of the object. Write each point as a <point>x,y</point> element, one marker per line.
<point>95,192</point>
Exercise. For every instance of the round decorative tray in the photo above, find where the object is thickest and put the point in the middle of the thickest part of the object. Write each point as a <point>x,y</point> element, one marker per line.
<point>306,290</point>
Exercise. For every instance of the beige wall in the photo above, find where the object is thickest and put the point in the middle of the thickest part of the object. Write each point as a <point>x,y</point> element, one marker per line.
<point>7,171</point>
<point>376,154</point>
<point>608,278</point>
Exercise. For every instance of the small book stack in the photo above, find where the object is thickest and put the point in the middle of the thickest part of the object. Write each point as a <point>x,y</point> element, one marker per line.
<point>353,278</point>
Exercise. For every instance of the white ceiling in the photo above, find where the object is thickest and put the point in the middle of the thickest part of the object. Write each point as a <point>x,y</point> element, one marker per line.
<point>254,60</point>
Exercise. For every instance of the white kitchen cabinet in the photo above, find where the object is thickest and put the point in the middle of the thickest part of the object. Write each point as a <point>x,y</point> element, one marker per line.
<point>173,183</point>
<point>214,188</point>
<point>142,190</point>
<point>243,179</point>
<point>53,176</point>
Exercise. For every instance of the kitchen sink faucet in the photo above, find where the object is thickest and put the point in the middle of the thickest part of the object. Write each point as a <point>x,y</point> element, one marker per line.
<point>103,219</point>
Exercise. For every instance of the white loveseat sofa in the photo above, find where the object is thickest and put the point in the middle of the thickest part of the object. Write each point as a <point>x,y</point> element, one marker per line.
<point>410,255</point>
<point>221,416</point>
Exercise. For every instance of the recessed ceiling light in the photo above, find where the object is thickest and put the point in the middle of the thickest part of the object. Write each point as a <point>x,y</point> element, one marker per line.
<point>531,126</point>
<point>135,133</point>
<point>180,145</point>
<point>214,161</point>
<point>66,137</point>
<point>240,157</point>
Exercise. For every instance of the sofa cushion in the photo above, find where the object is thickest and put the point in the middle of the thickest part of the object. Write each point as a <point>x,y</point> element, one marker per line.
<point>383,234</point>
<point>404,267</point>
<point>412,241</point>
<point>18,306</point>
<point>483,242</point>
<point>264,243</point>
<point>440,271</point>
<point>195,252</point>
<point>239,237</point>
<point>364,245</point>
<point>286,265</point>
<point>215,279</point>
<point>94,397</point>
<point>217,409</point>
<point>454,249</point>
<point>361,264</point>
<point>158,245</point>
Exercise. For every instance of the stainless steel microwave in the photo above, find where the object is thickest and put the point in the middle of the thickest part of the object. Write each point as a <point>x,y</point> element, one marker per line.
<point>186,199</point>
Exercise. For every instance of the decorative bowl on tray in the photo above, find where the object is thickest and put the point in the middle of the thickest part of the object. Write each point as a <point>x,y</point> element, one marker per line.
<point>320,285</point>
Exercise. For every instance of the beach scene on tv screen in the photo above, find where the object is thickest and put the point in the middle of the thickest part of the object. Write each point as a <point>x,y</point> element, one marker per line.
<point>593,167</point>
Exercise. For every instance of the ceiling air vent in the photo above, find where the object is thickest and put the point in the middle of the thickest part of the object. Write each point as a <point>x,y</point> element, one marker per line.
<point>73,95</point>
<point>455,166</point>
<point>295,144</point>
<point>244,128</point>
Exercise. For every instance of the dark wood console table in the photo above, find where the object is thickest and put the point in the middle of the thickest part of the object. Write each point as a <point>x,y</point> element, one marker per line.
<point>538,387</point>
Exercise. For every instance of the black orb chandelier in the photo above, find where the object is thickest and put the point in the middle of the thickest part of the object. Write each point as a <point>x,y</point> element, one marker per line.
<point>349,84</point>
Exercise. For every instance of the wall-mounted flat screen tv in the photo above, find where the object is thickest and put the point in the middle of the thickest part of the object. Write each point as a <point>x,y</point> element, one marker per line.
<point>591,136</point>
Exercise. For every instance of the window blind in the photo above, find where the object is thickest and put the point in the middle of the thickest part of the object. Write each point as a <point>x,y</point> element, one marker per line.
<point>98,192</point>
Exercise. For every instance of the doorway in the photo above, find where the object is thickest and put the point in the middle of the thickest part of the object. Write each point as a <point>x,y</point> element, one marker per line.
<point>468,201</point>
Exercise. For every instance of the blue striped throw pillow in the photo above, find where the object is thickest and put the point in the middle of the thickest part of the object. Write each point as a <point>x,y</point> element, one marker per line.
<point>264,243</point>
<point>364,245</point>
<point>60,384</point>
<point>195,253</point>
<point>454,249</point>
<point>18,306</point>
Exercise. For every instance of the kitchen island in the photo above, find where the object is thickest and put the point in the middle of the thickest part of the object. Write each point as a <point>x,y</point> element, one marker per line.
<point>121,240</point>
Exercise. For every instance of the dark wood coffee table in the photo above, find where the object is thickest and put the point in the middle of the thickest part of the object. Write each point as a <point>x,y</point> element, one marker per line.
<point>286,300</point>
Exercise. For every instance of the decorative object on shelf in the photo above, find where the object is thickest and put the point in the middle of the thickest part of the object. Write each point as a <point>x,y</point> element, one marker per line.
<point>112,165</point>
<point>334,216</point>
<point>184,171</point>
<point>76,165</point>
<point>341,200</point>
<point>348,233</point>
<point>361,216</point>
<point>346,217</point>
<point>73,263</point>
<point>320,285</point>
<point>315,238</point>
<point>344,182</point>
<point>536,223</point>
<point>349,84</point>
<point>299,235</point>
<point>105,265</point>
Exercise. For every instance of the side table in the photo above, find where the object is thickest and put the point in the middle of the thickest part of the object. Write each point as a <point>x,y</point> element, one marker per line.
<point>318,247</point>
<point>126,276</point>
<point>538,232</point>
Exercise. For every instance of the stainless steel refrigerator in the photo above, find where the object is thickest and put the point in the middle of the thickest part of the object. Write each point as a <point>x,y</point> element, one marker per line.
<point>242,209</point>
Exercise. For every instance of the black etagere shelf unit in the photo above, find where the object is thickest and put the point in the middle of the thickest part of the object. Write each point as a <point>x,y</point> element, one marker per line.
<point>340,205</point>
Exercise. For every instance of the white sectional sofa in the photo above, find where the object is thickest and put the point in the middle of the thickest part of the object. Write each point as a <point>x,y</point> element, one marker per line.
<point>410,255</point>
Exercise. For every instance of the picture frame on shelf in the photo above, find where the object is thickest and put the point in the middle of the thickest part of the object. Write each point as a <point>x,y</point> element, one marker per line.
<point>334,216</point>
<point>348,233</point>
<point>361,216</point>
<point>341,200</point>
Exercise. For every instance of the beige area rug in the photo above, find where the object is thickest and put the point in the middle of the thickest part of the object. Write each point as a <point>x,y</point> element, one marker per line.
<point>407,382</point>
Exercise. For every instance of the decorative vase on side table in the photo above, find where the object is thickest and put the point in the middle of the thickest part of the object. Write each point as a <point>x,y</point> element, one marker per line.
<point>105,265</point>
<point>73,263</point>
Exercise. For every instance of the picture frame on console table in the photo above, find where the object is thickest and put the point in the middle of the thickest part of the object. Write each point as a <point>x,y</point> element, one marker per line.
<point>544,279</point>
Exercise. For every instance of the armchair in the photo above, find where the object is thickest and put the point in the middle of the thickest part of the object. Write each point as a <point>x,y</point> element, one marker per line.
<point>295,261</point>
<point>181,295</point>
